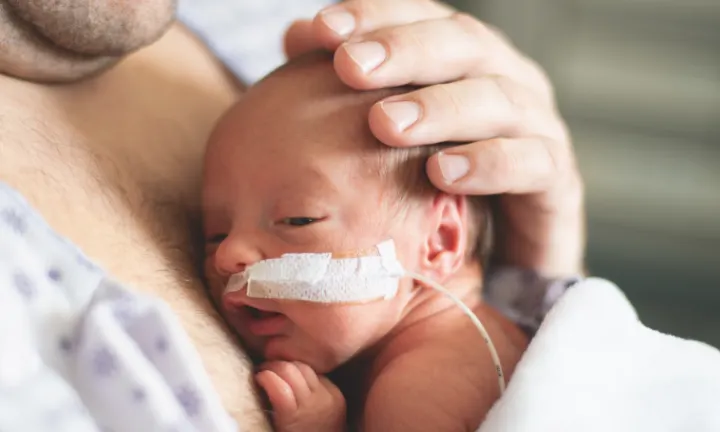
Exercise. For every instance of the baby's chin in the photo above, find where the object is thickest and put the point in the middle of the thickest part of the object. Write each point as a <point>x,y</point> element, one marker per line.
<point>67,40</point>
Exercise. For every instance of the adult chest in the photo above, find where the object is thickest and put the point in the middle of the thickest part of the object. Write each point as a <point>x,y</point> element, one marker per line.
<point>114,163</point>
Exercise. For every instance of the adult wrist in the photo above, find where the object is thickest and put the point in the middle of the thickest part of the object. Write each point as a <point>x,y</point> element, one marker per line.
<point>525,296</point>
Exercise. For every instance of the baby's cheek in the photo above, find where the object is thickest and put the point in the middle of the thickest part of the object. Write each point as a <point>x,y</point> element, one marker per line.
<point>409,247</point>
<point>215,282</point>
<point>360,325</point>
<point>335,326</point>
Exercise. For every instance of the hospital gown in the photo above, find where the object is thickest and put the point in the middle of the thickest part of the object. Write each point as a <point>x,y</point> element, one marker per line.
<point>80,352</point>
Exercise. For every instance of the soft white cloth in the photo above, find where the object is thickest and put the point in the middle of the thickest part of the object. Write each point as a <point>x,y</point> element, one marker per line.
<point>594,367</point>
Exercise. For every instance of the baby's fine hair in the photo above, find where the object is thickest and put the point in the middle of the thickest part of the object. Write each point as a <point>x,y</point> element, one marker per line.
<point>404,167</point>
<point>408,167</point>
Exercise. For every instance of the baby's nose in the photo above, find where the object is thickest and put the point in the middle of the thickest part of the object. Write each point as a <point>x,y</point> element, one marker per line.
<point>234,255</point>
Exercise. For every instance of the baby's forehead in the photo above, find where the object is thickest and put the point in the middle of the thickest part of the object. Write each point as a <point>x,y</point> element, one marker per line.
<point>301,116</point>
<point>313,109</point>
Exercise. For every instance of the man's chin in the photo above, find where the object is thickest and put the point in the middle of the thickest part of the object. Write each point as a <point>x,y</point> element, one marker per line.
<point>27,53</point>
<point>51,70</point>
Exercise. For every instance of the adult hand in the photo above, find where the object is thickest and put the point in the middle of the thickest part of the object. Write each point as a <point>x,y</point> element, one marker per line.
<point>478,89</point>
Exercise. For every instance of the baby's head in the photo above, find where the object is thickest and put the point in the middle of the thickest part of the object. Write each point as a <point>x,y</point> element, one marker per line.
<point>294,168</point>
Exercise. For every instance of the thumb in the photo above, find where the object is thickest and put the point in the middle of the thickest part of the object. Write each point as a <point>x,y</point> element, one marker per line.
<point>300,39</point>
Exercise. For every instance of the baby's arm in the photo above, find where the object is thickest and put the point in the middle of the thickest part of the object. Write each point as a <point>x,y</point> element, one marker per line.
<point>302,401</point>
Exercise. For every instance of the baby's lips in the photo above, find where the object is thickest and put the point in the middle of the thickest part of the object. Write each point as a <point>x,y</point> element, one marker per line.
<point>233,300</point>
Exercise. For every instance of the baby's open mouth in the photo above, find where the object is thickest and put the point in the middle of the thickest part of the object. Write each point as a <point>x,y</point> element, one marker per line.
<point>256,313</point>
<point>259,319</point>
<point>265,323</point>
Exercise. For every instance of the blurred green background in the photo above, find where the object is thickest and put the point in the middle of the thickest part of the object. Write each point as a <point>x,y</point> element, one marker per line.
<point>639,83</point>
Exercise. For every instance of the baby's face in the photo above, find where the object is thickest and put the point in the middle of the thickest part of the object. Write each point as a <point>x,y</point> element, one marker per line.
<point>291,169</point>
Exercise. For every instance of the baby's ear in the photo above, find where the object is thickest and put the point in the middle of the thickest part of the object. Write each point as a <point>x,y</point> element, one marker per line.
<point>446,243</point>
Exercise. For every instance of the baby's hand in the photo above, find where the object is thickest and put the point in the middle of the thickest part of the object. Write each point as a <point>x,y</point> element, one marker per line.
<point>302,401</point>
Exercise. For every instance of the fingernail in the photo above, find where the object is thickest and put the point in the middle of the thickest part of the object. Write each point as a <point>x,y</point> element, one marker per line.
<point>403,113</point>
<point>367,55</point>
<point>453,167</point>
<point>339,21</point>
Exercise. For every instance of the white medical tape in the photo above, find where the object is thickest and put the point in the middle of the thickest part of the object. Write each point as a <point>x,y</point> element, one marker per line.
<point>320,278</point>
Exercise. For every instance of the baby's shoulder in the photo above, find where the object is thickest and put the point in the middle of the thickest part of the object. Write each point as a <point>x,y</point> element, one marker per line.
<point>430,387</point>
<point>439,376</point>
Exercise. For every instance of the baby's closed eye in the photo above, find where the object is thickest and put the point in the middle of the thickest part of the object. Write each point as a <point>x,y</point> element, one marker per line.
<point>302,231</point>
<point>299,221</point>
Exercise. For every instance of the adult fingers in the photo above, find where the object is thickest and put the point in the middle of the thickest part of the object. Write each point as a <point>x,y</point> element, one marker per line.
<point>335,24</point>
<point>500,165</point>
<point>468,110</point>
<point>430,52</point>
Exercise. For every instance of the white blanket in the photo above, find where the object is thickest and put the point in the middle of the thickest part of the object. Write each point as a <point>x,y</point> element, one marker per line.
<point>594,367</point>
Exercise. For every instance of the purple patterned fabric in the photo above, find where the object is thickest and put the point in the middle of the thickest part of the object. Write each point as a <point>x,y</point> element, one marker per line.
<point>524,296</point>
<point>80,352</point>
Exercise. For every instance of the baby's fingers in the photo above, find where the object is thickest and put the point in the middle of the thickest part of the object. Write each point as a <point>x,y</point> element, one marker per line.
<point>311,378</point>
<point>278,391</point>
<point>293,376</point>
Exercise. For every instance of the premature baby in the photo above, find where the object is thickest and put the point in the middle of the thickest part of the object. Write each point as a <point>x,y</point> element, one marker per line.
<point>294,168</point>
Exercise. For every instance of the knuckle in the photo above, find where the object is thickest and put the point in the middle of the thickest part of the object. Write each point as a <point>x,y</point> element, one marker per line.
<point>558,161</point>
<point>502,163</point>
<point>364,10</point>
<point>444,99</point>
<point>305,369</point>
<point>405,39</point>
<point>516,100</point>
<point>284,368</point>
<point>472,25</point>
<point>527,110</point>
